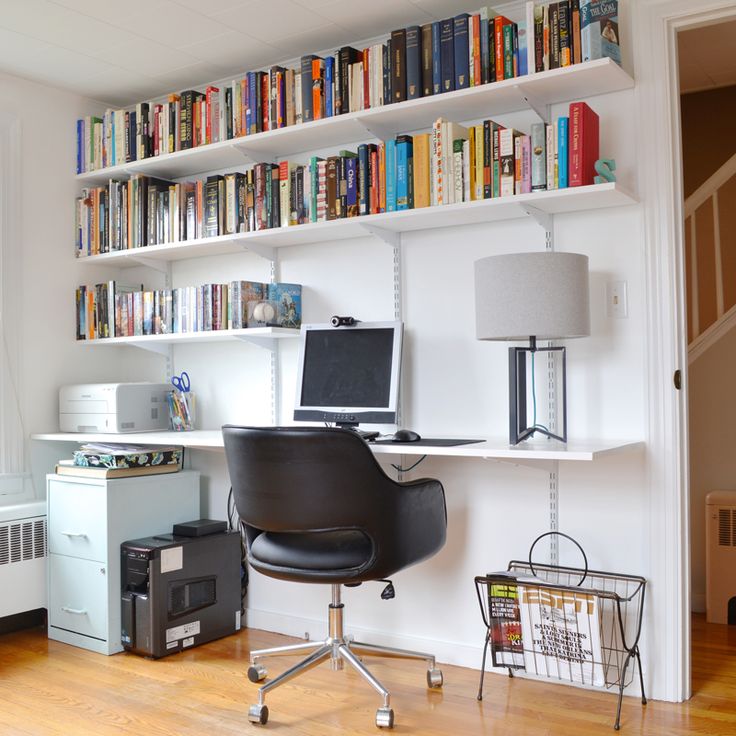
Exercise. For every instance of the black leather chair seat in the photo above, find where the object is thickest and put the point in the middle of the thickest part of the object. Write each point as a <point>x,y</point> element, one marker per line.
<point>327,551</point>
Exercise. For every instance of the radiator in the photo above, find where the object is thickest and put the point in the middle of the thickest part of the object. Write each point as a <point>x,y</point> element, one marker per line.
<point>22,557</point>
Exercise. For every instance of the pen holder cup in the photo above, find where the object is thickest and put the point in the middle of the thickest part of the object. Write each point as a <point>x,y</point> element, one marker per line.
<point>182,410</point>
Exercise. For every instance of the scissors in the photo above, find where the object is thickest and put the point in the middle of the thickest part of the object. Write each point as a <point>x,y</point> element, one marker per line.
<point>181,382</point>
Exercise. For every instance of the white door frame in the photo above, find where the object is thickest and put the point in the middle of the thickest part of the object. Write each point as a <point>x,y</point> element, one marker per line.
<point>655,24</point>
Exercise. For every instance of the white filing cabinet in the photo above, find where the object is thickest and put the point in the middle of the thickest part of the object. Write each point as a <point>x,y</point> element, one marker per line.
<point>88,519</point>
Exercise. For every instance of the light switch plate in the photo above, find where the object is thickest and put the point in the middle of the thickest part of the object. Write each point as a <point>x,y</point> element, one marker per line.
<point>617,303</point>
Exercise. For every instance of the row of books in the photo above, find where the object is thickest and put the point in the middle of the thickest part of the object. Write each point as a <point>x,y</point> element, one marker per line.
<point>450,164</point>
<point>571,32</point>
<point>112,309</point>
<point>455,53</point>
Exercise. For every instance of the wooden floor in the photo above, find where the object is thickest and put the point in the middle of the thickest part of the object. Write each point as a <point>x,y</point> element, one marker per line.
<point>51,688</point>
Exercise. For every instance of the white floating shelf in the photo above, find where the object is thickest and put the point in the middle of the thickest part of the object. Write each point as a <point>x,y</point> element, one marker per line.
<point>577,82</point>
<point>559,201</point>
<point>262,336</point>
<point>490,448</point>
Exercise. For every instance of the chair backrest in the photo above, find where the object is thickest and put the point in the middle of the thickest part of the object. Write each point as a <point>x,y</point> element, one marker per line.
<point>301,479</point>
<point>306,479</point>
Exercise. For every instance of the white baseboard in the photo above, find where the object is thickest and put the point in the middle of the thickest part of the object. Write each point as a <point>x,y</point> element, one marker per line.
<point>447,652</point>
<point>697,602</point>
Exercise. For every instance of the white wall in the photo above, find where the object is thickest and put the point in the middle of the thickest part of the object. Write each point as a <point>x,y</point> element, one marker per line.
<point>49,356</point>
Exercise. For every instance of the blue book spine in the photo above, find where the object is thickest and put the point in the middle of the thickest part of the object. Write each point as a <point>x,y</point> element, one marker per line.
<point>390,175</point>
<point>250,112</point>
<point>447,54</point>
<point>436,57</point>
<point>404,153</point>
<point>562,152</point>
<point>462,51</point>
<point>363,178</point>
<point>413,62</point>
<point>351,174</point>
<point>329,86</point>
<point>80,146</point>
<point>523,37</point>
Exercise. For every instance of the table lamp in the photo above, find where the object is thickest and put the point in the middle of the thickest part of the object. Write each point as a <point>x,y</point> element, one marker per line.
<point>534,296</point>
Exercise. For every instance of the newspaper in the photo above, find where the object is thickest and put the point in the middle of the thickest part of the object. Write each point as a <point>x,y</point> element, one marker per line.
<point>561,633</point>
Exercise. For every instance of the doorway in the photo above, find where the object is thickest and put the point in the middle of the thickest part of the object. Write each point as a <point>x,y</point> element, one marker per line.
<point>706,58</point>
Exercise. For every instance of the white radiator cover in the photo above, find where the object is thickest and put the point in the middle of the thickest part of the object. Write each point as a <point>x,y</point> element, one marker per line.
<point>23,555</point>
<point>720,555</point>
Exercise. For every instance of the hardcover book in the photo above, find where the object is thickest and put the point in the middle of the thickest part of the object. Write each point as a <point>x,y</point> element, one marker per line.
<point>288,300</point>
<point>398,65</point>
<point>583,144</point>
<point>461,49</point>
<point>413,63</point>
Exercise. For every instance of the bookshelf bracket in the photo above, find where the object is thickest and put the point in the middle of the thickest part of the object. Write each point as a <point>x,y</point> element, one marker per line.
<point>543,219</point>
<point>387,236</point>
<point>257,157</point>
<point>160,266</point>
<point>267,343</point>
<point>267,252</point>
<point>375,129</point>
<point>153,347</point>
<point>539,107</point>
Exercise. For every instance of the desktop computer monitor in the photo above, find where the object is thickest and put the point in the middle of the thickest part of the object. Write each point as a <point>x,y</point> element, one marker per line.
<point>349,375</point>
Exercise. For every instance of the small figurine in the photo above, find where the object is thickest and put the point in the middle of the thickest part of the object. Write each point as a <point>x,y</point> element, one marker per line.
<point>605,168</point>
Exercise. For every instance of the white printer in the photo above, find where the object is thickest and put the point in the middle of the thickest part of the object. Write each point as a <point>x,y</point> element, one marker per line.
<point>114,407</point>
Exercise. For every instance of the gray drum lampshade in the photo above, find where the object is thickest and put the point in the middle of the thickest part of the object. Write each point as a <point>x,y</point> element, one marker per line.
<point>542,294</point>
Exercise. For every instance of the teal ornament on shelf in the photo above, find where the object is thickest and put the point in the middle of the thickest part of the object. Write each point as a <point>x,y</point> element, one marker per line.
<point>605,167</point>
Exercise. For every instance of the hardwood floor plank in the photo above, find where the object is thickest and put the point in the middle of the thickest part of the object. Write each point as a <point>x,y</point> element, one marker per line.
<point>52,689</point>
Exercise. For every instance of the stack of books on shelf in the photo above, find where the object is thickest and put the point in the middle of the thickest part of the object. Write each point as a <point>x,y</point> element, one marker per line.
<point>113,460</point>
<point>464,51</point>
<point>112,309</point>
<point>448,165</point>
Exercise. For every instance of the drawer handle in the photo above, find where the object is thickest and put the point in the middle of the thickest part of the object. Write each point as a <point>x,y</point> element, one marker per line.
<point>78,611</point>
<point>81,535</point>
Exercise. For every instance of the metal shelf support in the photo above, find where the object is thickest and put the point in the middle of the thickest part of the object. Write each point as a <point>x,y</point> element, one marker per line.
<point>387,236</point>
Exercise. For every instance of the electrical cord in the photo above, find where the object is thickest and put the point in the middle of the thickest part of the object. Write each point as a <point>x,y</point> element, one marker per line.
<point>411,467</point>
<point>232,513</point>
<point>534,400</point>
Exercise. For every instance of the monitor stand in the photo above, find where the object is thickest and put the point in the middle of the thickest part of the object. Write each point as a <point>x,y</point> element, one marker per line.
<point>366,435</point>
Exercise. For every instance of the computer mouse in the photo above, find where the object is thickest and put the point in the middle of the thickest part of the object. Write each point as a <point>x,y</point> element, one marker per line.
<point>406,435</point>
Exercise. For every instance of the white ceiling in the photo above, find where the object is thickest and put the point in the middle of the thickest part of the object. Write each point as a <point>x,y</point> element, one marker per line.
<point>125,51</point>
<point>707,57</point>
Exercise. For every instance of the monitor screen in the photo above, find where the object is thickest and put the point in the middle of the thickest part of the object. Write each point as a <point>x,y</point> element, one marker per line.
<point>349,374</point>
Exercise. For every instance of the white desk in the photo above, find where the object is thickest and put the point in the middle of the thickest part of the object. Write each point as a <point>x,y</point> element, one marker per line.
<point>489,448</point>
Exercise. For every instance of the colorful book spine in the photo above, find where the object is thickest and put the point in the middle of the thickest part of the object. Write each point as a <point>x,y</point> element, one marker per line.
<point>404,153</point>
<point>539,158</point>
<point>583,144</point>
<point>391,175</point>
<point>461,51</point>
<point>436,59</point>
<point>447,54</point>
<point>599,30</point>
<point>526,164</point>
<point>413,63</point>
<point>562,152</point>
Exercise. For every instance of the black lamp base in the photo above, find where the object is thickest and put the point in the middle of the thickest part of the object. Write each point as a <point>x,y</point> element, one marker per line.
<point>518,429</point>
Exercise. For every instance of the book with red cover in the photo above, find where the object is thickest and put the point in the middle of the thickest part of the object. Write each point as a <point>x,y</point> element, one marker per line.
<point>583,144</point>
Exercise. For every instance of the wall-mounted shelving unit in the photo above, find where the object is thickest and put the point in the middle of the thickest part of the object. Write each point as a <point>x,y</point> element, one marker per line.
<point>535,91</point>
<point>385,225</point>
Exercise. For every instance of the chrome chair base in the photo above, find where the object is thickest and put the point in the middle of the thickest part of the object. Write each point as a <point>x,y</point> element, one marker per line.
<point>338,649</point>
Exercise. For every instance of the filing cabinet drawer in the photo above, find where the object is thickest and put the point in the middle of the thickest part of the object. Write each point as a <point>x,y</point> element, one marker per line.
<point>78,520</point>
<point>78,596</point>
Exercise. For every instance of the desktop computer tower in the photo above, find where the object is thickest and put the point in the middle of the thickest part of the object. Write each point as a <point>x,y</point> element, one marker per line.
<point>179,591</point>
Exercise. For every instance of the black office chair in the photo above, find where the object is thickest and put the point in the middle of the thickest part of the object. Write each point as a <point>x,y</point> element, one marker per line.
<point>317,508</point>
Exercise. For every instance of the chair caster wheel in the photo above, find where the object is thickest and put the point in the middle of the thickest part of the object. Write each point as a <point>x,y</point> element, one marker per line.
<point>258,714</point>
<point>434,678</point>
<point>256,673</point>
<point>385,718</point>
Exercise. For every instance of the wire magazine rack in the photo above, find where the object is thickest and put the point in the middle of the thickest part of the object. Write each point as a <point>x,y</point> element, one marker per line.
<point>571,624</point>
